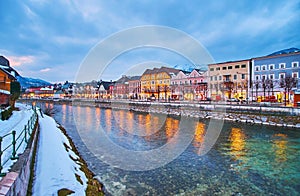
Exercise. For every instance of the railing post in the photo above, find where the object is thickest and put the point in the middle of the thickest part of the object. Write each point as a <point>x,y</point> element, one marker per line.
<point>1,173</point>
<point>25,132</point>
<point>13,157</point>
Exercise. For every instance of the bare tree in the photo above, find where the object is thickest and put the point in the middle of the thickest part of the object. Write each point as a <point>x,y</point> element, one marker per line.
<point>288,82</point>
<point>257,85</point>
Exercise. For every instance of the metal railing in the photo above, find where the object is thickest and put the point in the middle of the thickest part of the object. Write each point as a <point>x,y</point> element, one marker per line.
<point>17,140</point>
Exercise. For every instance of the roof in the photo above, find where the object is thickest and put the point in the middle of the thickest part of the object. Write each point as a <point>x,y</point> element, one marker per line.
<point>134,78</point>
<point>229,62</point>
<point>7,73</point>
<point>4,92</point>
<point>277,55</point>
<point>122,80</point>
<point>106,84</point>
<point>162,69</point>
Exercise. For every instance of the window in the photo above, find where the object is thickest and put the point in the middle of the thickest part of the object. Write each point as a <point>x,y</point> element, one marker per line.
<point>218,68</point>
<point>237,66</point>
<point>224,68</point>
<point>234,76</point>
<point>211,69</point>
<point>295,74</point>
<point>229,67</point>
<point>220,77</point>
<point>211,78</point>
<point>295,64</point>
<point>263,77</point>
<point>256,68</point>
<point>243,66</point>
<point>271,66</point>
<point>263,67</point>
<point>216,78</point>
<point>271,77</point>
<point>281,75</point>
<point>282,65</point>
<point>243,76</point>
<point>257,78</point>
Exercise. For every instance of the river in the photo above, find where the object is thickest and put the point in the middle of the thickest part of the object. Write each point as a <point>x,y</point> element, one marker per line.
<point>245,160</point>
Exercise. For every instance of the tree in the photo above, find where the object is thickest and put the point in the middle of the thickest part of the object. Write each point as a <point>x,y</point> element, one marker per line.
<point>15,91</point>
<point>257,85</point>
<point>288,82</point>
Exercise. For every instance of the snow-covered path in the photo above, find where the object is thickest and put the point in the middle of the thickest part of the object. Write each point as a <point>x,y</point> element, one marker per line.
<point>55,169</point>
<point>16,122</point>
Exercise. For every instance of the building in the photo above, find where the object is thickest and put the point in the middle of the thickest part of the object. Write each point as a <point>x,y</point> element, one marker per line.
<point>121,88</point>
<point>7,76</point>
<point>229,80</point>
<point>189,85</point>
<point>134,87</point>
<point>155,83</point>
<point>276,76</point>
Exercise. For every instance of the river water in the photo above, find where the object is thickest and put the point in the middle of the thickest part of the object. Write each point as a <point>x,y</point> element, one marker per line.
<point>246,159</point>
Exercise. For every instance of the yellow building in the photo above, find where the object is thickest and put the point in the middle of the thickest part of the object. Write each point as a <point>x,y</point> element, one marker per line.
<point>229,80</point>
<point>155,83</point>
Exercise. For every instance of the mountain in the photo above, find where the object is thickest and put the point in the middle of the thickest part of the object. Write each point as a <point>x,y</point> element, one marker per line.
<point>285,51</point>
<point>190,68</point>
<point>31,82</point>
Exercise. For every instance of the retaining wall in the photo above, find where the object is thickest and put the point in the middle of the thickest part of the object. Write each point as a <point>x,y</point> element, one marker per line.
<point>17,180</point>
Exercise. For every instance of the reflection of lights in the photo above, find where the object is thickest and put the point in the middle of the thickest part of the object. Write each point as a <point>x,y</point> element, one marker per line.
<point>171,126</point>
<point>64,111</point>
<point>108,119</point>
<point>237,139</point>
<point>280,147</point>
<point>199,136</point>
<point>98,118</point>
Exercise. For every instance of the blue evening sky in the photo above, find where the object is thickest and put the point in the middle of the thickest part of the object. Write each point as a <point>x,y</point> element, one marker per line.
<point>49,39</point>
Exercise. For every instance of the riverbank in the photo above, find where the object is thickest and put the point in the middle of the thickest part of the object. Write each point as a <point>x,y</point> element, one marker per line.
<point>59,169</point>
<point>251,114</point>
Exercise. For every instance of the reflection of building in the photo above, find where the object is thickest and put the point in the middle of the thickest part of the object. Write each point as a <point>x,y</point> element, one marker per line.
<point>156,83</point>
<point>270,71</point>
<point>189,85</point>
<point>229,79</point>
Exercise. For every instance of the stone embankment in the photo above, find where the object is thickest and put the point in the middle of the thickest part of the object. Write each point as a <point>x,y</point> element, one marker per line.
<point>253,114</point>
<point>265,115</point>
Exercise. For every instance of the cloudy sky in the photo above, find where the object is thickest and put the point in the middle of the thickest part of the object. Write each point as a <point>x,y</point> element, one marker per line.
<point>50,39</point>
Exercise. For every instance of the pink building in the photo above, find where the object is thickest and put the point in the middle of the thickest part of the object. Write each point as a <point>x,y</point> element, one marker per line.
<point>189,85</point>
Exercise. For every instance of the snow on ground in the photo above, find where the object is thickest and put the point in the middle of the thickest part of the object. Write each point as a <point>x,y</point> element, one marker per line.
<point>16,122</point>
<point>54,169</point>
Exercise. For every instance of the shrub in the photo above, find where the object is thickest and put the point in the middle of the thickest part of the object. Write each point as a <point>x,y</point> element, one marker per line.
<point>5,114</point>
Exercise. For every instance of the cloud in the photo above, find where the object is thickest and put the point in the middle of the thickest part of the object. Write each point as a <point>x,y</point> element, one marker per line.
<point>45,69</point>
<point>20,60</point>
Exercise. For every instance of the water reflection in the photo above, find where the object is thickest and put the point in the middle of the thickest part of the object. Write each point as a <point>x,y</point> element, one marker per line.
<point>237,143</point>
<point>280,146</point>
<point>261,156</point>
<point>199,137</point>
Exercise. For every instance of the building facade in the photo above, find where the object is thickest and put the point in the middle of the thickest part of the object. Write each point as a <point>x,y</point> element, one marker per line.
<point>189,85</point>
<point>275,77</point>
<point>134,87</point>
<point>155,83</point>
<point>229,80</point>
